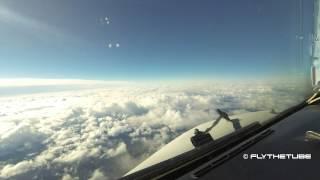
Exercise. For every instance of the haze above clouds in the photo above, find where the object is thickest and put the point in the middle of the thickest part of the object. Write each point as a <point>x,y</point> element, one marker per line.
<point>103,133</point>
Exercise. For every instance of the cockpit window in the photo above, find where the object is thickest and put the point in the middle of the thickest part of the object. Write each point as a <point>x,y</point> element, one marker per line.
<point>97,89</point>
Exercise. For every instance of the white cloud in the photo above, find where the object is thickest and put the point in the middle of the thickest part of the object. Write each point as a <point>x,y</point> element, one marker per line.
<point>19,168</point>
<point>68,177</point>
<point>23,136</point>
<point>98,175</point>
<point>105,132</point>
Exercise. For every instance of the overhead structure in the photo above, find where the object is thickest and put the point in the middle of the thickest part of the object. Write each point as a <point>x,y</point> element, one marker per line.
<point>315,76</point>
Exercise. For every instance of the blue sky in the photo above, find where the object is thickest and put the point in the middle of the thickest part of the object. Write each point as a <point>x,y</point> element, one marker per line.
<point>157,39</point>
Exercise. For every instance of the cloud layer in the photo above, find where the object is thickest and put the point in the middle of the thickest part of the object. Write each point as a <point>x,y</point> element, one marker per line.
<point>103,133</point>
